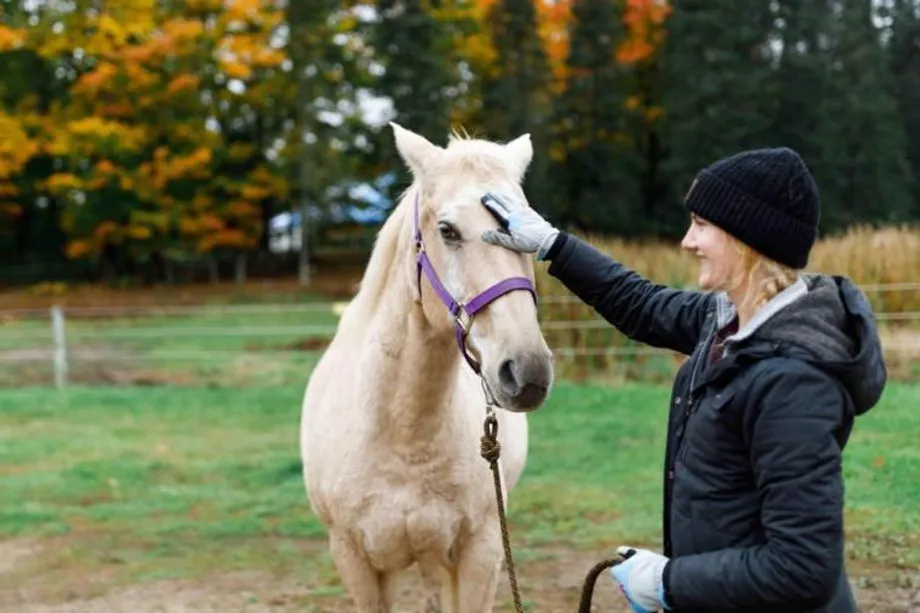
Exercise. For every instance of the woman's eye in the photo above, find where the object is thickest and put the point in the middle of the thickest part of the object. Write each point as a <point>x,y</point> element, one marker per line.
<point>448,232</point>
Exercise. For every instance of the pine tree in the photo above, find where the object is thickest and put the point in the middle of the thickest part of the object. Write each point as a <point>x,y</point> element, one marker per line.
<point>863,145</point>
<point>716,87</point>
<point>413,51</point>
<point>802,78</point>
<point>904,53</point>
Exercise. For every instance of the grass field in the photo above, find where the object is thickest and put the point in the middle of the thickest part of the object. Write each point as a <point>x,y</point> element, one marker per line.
<point>185,494</point>
<point>179,499</point>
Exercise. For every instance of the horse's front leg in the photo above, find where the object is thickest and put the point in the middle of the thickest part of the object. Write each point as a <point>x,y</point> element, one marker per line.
<point>361,581</point>
<point>479,568</point>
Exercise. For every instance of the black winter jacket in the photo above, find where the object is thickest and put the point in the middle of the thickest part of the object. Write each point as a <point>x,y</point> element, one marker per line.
<point>753,490</point>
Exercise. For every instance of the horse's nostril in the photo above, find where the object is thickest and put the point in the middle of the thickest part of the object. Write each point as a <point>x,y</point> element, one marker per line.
<point>507,378</point>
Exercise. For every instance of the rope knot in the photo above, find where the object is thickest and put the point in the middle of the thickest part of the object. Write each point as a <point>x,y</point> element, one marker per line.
<point>489,448</point>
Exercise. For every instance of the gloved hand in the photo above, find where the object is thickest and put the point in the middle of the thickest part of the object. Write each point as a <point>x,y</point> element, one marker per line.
<point>526,231</point>
<point>640,579</point>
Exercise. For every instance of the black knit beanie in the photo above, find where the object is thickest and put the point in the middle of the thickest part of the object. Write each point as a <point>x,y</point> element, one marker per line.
<point>766,198</point>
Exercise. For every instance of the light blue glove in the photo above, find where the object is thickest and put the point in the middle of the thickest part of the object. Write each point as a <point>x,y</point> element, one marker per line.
<point>640,579</point>
<point>527,232</point>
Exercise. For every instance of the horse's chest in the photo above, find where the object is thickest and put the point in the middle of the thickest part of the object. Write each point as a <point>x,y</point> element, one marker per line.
<point>417,512</point>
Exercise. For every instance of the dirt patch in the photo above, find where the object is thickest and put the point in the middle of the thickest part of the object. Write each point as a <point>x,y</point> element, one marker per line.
<point>87,365</point>
<point>550,581</point>
<point>311,343</point>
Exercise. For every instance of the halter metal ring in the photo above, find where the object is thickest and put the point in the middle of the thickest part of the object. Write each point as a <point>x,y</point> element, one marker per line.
<point>463,319</point>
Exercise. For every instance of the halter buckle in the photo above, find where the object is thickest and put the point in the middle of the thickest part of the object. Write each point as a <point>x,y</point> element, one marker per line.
<point>463,319</point>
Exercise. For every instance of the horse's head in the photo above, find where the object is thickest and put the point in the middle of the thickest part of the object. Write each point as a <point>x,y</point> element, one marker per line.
<point>505,336</point>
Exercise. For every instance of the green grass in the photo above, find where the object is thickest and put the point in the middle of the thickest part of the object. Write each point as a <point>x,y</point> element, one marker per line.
<point>164,482</point>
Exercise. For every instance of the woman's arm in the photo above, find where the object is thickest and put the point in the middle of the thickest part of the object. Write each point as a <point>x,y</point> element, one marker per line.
<point>792,422</point>
<point>653,314</point>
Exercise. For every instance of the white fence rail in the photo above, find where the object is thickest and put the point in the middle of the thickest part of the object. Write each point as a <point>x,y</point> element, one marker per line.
<point>62,337</point>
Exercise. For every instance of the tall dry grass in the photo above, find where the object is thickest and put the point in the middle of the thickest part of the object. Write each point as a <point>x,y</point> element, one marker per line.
<point>878,260</point>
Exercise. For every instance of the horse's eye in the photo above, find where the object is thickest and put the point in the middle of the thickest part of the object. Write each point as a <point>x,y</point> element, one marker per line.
<point>449,232</point>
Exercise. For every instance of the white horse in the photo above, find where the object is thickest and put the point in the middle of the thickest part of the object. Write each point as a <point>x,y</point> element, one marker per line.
<point>393,411</point>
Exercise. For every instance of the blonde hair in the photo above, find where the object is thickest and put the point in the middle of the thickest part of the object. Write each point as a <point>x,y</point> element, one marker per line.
<point>765,277</point>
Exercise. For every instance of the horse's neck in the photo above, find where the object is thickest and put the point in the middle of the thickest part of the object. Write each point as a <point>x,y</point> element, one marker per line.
<point>417,377</point>
<point>416,363</point>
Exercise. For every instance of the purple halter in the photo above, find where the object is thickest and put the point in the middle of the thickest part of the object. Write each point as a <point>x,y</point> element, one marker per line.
<point>463,313</point>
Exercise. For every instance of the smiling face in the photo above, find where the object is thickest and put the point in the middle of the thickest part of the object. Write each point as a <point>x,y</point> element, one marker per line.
<point>505,336</point>
<point>721,260</point>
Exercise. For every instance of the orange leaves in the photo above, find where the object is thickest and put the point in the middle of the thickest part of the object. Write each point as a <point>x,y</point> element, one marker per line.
<point>644,20</point>
<point>554,21</point>
<point>11,39</point>
<point>91,82</point>
<point>78,249</point>
<point>183,82</point>
<point>243,10</point>
<point>137,162</point>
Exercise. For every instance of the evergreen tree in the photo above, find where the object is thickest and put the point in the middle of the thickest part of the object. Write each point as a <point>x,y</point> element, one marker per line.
<point>412,49</point>
<point>716,88</point>
<point>516,97</point>
<point>597,161</point>
<point>904,51</point>
<point>867,176</point>
<point>802,77</point>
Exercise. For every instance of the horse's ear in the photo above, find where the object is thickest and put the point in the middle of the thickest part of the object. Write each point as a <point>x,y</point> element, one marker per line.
<point>520,152</point>
<point>416,150</point>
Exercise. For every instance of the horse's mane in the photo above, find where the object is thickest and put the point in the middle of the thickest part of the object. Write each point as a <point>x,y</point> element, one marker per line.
<point>383,266</point>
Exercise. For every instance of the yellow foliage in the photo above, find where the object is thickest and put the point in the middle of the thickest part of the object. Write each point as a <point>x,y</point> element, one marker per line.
<point>134,120</point>
<point>243,9</point>
<point>63,182</point>
<point>187,225</point>
<point>159,221</point>
<point>129,138</point>
<point>182,30</point>
<point>255,192</point>
<point>139,232</point>
<point>16,148</point>
<point>236,70</point>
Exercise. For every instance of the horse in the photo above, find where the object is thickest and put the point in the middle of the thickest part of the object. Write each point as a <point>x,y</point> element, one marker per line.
<point>393,411</point>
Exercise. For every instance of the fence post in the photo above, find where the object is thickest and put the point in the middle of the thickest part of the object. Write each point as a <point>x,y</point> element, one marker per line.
<point>60,347</point>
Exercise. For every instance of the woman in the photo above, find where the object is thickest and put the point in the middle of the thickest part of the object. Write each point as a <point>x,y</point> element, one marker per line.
<point>781,363</point>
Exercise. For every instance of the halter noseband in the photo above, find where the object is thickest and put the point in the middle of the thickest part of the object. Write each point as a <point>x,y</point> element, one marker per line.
<point>462,312</point>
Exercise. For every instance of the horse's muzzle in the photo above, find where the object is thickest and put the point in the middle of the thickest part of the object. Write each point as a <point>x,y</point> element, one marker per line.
<point>525,381</point>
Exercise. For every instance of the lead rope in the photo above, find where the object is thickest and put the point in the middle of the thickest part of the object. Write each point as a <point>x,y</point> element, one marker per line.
<point>490,449</point>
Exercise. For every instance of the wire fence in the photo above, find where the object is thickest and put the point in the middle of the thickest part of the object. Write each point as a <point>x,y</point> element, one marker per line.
<point>53,344</point>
